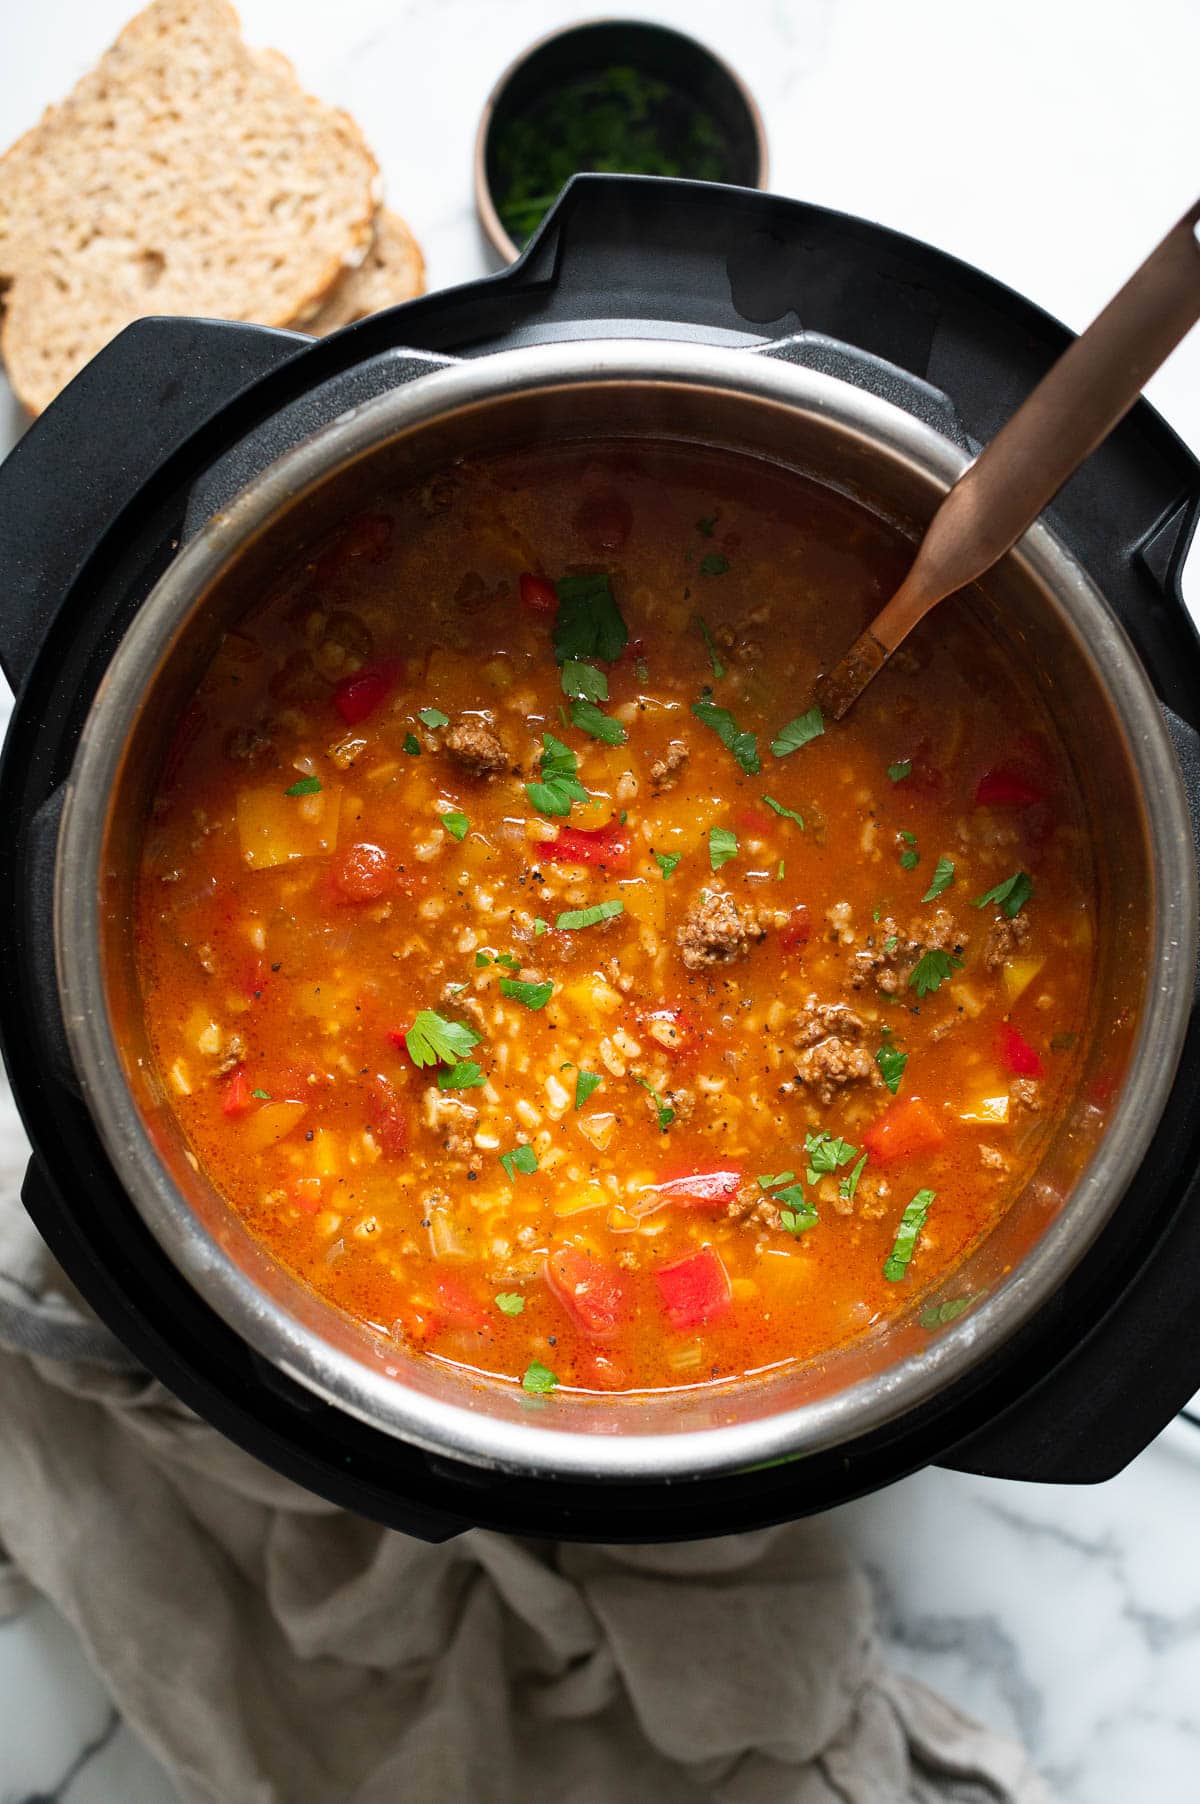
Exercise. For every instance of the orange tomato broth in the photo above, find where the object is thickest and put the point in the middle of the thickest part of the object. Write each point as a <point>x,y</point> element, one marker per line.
<point>288,941</point>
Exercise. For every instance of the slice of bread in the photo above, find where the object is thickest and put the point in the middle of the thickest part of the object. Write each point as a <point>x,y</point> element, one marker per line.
<point>393,270</point>
<point>186,173</point>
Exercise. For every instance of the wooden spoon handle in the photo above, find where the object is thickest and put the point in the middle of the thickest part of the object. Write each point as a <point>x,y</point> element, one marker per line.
<point>1076,404</point>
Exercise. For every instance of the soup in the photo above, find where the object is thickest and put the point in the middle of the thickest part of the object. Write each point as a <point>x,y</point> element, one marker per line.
<point>550,987</point>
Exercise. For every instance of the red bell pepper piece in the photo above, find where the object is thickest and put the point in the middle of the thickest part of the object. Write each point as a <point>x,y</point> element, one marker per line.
<point>753,820</point>
<point>359,695</point>
<point>601,1372</point>
<point>798,931</point>
<point>306,1194</point>
<point>537,593</point>
<point>363,873</point>
<point>1017,1055</point>
<point>592,1293</point>
<point>457,1307</point>
<point>700,1189</point>
<point>1007,786</point>
<point>903,1131</point>
<point>237,1094</point>
<point>675,1030</point>
<point>695,1290</point>
<point>386,1116</point>
<point>605,846</point>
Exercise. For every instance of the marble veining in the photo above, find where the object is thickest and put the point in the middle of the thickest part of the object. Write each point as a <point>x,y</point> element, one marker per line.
<point>1068,1617</point>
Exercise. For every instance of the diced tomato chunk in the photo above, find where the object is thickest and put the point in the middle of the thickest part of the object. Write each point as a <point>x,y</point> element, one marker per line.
<point>1017,1055</point>
<point>237,1094</point>
<point>606,846</point>
<point>538,593</point>
<point>675,1030</point>
<point>359,695</point>
<point>753,820</point>
<point>701,1189</point>
<point>903,1131</point>
<point>457,1307</point>
<point>798,931</point>
<point>1007,786</point>
<point>592,1293</point>
<point>601,1372</point>
<point>695,1290</point>
<point>363,873</point>
<point>306,1194</point>
<point>387,1117</point>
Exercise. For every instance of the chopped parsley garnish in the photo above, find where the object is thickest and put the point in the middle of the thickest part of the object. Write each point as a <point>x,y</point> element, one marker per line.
<point>589,917</point>
<point>666,1115</point>
<point>767,1182</point>
<point>940,1313</point>
<point>891,942</point>
<point>433,717</point>
<point>540,926</point>
<point>642,670</point>
<point>589,623</point>
<point>943,877</point>
<point>666,862</point>
<point>798,732</point>
<point>706,523</point>
<point>412,745</point>
<point>911,1223</point>
<point>825,1154</point>
<point>779,873</point>
<point>932,970</point>
<point>849,1184</point>
<point>585,1083</point>
<point>898,772</point>
<point>307,786</point>
<point>744,746</point>
<point>718,669</point>
<point>591,719</point>
<point>521,1158</point>
<point>722,846</point>
<point>788,813</point>
<point>560,785</point>
<point>891,1062</point>
<point>509,1302</point>
<point>533,995</point>
<point>539,1380</point>
<point>457,825</point>
<point>714,563</point>
<point>508,959</point>
<point>1011,895</point>
<point>910,858</point>
<point>262,1095</point>
<point>797,1214</point>
<point>432,1040</point>
<point>583,682</point>
<point>466,1075</point>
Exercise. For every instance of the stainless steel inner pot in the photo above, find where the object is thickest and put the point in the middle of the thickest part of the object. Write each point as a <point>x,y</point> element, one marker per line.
<point>1039,602</point>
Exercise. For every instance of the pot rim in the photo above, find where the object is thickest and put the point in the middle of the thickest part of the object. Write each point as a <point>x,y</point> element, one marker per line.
<point>473,1435</point>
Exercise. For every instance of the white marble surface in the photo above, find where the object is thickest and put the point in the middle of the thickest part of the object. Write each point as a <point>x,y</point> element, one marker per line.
<point>1050,144</point>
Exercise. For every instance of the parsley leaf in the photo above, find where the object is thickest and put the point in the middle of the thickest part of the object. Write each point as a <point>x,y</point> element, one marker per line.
<point>1011,895</point>
<point>891,1062</point>
<point>744,746</point>
<point>412,745</point>
<point>466,1075</point>
<point>798,732</point>
<point>788,813</point>
<point>767,1182</point>
<point>911,1223</point>
<point>706,523</point>
<point>508,959</point>
<point>521,1158</point>
<point>591,719</point>
<point>722,846</point>
<point>826,1154</point>
<point>589,623</point>
<point>307,786</point>
<point>589,917</point>
<point>798,1215</point>
<point>583,682</point>
<point>262,1095</point>
<point>539,1380</point>
<point>718,669</point>
<point>432,1040</point>
<point>932,970</point>
<point>714,563</point>
<point>560,785</point>
<point>509,1302</point>
<point>540,926</point>
<point>457,825</point>
<point>898,772</point>
<point>940,1313</point>
<point>585,1083</point>
<point>849,1184</point>
<point>941,880</point>
<point>433,717</point>
<point>666,862</point>
<point>910,859</point>
<point>666,1115</point>
<point>533,995</point>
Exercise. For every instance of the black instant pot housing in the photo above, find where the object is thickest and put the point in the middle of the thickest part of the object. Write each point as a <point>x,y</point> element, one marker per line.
<point>168,422</point>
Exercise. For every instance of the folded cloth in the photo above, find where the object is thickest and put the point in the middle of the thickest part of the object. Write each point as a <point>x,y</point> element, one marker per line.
<point>271,1649</point>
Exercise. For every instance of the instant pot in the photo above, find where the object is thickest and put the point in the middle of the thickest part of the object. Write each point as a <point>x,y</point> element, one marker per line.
<point>191,458</point>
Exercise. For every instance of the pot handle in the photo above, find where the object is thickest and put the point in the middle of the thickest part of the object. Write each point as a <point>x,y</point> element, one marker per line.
<point>90,454</point>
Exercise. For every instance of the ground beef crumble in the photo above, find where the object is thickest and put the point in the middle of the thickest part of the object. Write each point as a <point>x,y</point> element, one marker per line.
<point>477,746</point>
<point>664,772</point>
<point>1004,940</point>
<point>717,931</point>
<point>829,1037</point>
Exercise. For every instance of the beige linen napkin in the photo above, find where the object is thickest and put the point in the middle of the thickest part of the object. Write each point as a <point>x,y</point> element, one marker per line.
<point>274,1650</point>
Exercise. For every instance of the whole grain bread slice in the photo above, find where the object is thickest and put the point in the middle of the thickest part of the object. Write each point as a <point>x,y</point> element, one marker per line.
<point>392,271</point>
<point>186,173</point>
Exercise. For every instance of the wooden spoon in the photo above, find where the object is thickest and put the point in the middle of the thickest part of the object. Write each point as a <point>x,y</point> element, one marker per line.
<point>1076,404</point>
